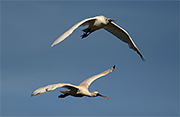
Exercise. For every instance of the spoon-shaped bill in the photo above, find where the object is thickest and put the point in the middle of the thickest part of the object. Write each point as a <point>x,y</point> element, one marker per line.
<point>103,96</point>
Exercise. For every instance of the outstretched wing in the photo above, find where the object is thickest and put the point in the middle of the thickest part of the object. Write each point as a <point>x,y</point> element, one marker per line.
<point>51,87</point>
<point>86,83</point>
<point>84,22</point>
<point>123,35</point>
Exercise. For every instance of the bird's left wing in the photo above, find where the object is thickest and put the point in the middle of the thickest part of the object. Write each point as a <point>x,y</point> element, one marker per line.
<point>88,81</point>
<point>51,87</point>
<point>123,35</point>
<point>84,22</point>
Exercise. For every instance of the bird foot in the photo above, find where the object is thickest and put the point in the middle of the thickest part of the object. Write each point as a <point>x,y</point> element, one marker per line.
<point>84,35</point>
<point>62,96</point>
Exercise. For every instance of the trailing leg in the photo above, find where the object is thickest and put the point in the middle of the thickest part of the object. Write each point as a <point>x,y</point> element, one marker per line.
<point>86,33</point>
<point>65,93</point>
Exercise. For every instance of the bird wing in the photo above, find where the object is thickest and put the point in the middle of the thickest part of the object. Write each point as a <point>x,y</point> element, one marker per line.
<point>84,22</point>
<point>123,35</point>
<point>86,83</point>
<point>51,87</point>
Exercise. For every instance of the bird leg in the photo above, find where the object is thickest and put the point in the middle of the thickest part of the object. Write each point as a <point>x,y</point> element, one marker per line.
<point>87,32</point>
<point>63,95</point>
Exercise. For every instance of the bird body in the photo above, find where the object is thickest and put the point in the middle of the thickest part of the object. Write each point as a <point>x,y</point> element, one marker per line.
<point>76,91</point>
<point>96,23</point>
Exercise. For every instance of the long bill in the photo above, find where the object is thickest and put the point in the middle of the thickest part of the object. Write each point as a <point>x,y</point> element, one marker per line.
<point>103,96</point>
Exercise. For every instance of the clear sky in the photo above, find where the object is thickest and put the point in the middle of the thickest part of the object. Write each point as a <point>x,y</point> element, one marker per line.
<point>135,88</point>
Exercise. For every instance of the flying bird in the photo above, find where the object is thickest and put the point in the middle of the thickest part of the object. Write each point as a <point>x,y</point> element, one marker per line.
<point>76,91</point>
<point>99,22</point>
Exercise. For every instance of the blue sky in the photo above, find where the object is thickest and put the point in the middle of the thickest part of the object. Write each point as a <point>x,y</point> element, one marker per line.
<point>135,88</point>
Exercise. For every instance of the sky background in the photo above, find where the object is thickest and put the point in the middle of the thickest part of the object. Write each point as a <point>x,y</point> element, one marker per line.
<point>135,88</point>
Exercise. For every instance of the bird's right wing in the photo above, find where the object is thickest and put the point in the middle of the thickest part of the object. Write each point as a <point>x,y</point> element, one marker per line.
<point>86,83</point>
<point>51,87</point>
<point>84,22</point>
<point>123,35</point>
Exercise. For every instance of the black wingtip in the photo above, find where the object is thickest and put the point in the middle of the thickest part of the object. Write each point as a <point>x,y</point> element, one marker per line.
<point>114,66</point>
<point>143,58</point>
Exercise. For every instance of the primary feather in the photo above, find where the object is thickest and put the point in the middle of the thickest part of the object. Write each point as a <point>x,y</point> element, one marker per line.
<point>86,83</point>
<point>51,87</point>
<point>70,31</point>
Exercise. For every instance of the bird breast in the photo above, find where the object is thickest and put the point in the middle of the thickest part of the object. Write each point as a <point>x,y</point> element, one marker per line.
<point>98,24</point>
<point>83,91</point>
<point>100,21</point>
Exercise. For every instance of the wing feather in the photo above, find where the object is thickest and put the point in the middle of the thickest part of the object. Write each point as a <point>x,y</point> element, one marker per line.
<point>51,87</point>
<point>123,35</point>
<point>70,31</point>
<point>86,83</point>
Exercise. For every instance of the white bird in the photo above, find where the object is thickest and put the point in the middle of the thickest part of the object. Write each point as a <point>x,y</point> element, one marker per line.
<point>76,91</point>
<point>99,22</point>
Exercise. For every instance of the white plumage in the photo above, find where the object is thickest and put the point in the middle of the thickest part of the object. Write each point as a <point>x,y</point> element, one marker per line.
<point>76,91</point>
<point>99,22</point>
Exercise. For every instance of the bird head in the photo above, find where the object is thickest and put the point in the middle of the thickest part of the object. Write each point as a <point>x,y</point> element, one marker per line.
<point>95,94</point>
<point>110,20</point>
